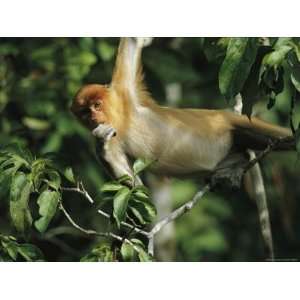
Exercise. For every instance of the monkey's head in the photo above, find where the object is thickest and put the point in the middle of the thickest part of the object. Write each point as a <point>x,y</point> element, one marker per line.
<point>90,106</point>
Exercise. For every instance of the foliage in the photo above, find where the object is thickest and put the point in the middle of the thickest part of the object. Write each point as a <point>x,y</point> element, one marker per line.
<point>11,250</point>
<point>43,149</point>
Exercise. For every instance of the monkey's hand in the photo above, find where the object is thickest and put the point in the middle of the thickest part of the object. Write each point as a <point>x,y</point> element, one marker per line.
<point>105,132</point>
<point>111,155</point>
<point>143,41</point>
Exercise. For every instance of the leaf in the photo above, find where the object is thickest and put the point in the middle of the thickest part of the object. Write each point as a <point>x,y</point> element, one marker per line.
<point>30,252</point>
<point>89,258</point>
<point>276,57</point>
<point>215,48</point>
<point>127,252</point>
<point>251,92</point>
<point>59,163</point>
<point>87,58</point>
<point>5,182</point>
<point>141,189</point>
<point>54,179</point>
<point>124,179</point>
<point>19,153</point>
<point>240,56</point>
<point>47,202</point>
<point>120,204</point>
<point>111,187</point>
<point>11,248</point>
<point>143,255</point>
<point>271,80</point>
<point>35,124</point>
<point>141,164</point>
<point>146,209</point>
<point>105,50</point>
<point>19,196</point>
<point>68,173</point>
<point>136,213</point>
<point>141,196</point>
<point>294,69</point>
<point>100,253</point>
<point>297,139</point>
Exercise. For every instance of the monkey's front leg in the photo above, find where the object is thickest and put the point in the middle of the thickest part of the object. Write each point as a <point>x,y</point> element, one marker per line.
<point>111,154</point>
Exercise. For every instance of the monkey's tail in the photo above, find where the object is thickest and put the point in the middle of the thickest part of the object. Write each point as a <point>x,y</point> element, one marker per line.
<point>256,134</point>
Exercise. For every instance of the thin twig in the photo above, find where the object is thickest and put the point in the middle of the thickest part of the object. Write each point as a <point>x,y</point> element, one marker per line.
<point>81,190</point>
<point>97,233</point>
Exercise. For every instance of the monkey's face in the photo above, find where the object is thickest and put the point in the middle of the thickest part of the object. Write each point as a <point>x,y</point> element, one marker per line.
<point>89,105</point>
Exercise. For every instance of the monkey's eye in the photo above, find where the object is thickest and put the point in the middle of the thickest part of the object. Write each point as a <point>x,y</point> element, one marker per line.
<point>97,105</point>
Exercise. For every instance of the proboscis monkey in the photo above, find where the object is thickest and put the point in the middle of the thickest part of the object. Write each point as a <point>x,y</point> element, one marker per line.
<point>182,142</point>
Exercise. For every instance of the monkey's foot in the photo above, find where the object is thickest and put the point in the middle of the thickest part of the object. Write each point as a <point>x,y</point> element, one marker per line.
<point>104,131</point>
<point>228,177</point>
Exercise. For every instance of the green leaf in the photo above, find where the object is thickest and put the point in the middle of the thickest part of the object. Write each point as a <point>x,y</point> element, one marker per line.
<point>58,162</point>
<point>141,195</point>
<point>100,253</point>
<point>47,202</point>
<point>5,182</point>
<point>30,252</point>
<point>88,58</point>
<point>127,252</point>
<point>297,139</point>
<point>144,256</point>
<point>138,242</point>
<point>11,248</point>
<point>294,69</point>
<point>19,196</point>
<point>281,48</point>
<point>120,204</point>
<point>19,153</point>
<point>136,213</point>
<point>35,124</point>
<point>106,51</point>
<point>146,209</point>
<point>215,48</point>
<point>54,179</point>
<point>124,179</point>
<point>141,164</point>
<point>251,92</point>
<point>111,187</point>
<point>68,173</point>
<point>275,58</point>
<point>271,80</point>
<point>240,56</point>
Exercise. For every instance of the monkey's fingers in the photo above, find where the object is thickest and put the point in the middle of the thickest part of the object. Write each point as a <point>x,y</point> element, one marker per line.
<point>143,41</point>
<point>104,131</point>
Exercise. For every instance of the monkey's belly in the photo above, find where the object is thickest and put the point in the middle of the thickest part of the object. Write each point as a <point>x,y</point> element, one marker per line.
<point>187,155</point>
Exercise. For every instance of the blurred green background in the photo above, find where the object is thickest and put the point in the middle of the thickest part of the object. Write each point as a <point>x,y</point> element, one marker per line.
<point>40,76</point>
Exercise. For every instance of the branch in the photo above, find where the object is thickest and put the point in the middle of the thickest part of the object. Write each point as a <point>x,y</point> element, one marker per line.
<point>81,190</point>
<point>93,232</point>
<point>174,215</point>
